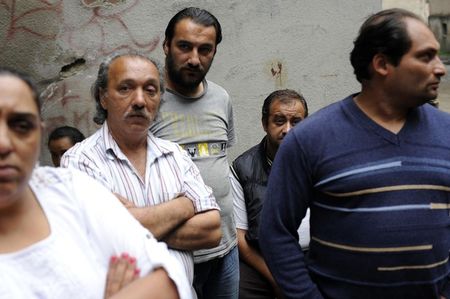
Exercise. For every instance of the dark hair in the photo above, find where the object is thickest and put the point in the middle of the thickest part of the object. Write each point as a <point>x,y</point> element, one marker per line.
<point>27,80</point>
<point>65,131</point>
<point>384,32</point>
<point>101,83</point>
<point>282,95</point>
<point>197,15</point>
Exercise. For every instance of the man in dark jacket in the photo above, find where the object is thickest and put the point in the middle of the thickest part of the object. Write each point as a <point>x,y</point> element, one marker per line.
<point>281,111</point>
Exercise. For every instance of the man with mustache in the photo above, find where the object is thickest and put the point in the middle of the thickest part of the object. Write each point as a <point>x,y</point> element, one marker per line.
<point>374,170</point>
<point>154,178</point>
<point>197,114</point>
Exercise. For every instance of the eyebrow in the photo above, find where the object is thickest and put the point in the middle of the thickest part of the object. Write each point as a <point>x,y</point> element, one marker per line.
<point>132,81</point>
<point>29,115</point>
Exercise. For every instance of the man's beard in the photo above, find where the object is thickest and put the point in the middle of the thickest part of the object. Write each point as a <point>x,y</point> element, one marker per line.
<point>176,76</point>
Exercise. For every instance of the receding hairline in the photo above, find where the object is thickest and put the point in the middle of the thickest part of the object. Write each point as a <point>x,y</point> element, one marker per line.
<point>134,57</point>
<point>286,99</point>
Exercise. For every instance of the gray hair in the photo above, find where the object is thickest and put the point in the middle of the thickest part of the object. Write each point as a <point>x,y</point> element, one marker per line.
<point>101,83</point>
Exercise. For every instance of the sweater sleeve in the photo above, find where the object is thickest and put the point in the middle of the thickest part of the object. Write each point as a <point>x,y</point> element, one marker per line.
<point>287,199</point>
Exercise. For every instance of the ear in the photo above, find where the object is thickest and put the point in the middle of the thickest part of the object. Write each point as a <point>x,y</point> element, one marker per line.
<point>380,64</point>
<point>264,125</point>
<point>166,47</point>
<point>103,96</point>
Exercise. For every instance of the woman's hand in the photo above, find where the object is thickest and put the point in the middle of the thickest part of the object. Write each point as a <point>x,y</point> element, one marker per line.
<point>122,271</point>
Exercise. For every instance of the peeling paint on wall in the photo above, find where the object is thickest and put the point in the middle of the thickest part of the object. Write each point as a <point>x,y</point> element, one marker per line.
<point>278,73</point>
<point>102,3</point>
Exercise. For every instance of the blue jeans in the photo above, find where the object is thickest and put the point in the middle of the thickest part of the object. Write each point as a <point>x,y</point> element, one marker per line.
<point>218,278</point>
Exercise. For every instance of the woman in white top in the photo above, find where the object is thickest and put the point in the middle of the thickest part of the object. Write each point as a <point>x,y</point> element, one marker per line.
<point>59,228</point>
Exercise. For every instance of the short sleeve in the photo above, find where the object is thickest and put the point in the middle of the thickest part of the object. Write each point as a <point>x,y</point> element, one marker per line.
<point>196,189</point>
<point>239,209</point>
<point>231,133</point>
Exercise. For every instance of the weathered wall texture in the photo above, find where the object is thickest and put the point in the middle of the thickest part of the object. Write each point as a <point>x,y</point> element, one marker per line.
<point>419,7</point>
<point>439,7</point>
<point>268,44</point>
<point>440,22</point>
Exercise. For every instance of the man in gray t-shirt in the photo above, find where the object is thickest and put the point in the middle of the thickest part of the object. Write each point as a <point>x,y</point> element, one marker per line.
<point>197,114</point>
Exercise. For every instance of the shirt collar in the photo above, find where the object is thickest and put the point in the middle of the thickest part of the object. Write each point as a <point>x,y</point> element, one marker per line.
<point>155,148</point>
<point>205,89</point>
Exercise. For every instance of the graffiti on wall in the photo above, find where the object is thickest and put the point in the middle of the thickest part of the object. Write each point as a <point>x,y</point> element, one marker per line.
<point>95,23</point>
<point>90,29</point>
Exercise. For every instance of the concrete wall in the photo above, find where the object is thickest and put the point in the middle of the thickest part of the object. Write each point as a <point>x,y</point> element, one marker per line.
<point>419,7</point>
<point>439,7</point>
<point>268,44</point>
<point>440,25</point>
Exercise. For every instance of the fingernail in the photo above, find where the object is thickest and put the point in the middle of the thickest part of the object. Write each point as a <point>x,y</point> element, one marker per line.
<point>125,255</point>
<point>137,271</point>
<point>113,259</point>
<point>131,260</point>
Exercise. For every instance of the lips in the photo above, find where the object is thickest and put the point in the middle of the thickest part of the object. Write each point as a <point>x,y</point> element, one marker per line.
<point>137,115</point>
<point>8,173</point>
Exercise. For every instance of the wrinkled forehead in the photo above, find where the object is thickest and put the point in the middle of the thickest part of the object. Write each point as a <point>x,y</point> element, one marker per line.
<point>294,103</point>
<point>132,68</point>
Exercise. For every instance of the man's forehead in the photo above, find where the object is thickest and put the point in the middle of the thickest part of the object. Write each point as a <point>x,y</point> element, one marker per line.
<point>420,34</point>
<point>133,67</point>
<point>286,101</point>
<point>189,26</point>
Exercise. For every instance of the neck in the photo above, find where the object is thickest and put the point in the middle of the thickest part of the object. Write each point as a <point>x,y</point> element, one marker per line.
<point>184,91</point>
<point>23,223</point>
<point>271,151</point>
<point>134,147</point>
<point>129,142</point>
<point>382,108</point>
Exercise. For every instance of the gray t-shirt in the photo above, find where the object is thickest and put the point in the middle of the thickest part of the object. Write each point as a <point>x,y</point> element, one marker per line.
<point>203,126</point>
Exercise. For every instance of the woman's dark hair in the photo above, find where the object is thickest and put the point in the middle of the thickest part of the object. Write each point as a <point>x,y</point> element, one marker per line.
<point>26,79</point>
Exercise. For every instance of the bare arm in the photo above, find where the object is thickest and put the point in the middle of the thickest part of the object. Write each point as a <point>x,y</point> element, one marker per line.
<point>175,223</point>
<point>155,285</point>
<point>163,218</point>
<point>201,231</point>
<point>254,259</point>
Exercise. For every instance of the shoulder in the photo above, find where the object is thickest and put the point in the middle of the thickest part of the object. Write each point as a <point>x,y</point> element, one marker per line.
<point>90,144</point>
<point>326,118</point>
<point>217,89</point>
<point>247,155</point>
<point>434,114</point>
<point>163,145</point>
<point>243,164</point>
<point>46,176</point>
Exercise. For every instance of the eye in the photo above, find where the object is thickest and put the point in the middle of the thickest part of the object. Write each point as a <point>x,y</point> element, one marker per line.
<point>427,56</point>
<point>205,50</point>
<point>151,90</point>
<point>184,46</point>
<point>124,88</point>
<point>296,121</point>
<point>279,121</point>
<point>22,126</point>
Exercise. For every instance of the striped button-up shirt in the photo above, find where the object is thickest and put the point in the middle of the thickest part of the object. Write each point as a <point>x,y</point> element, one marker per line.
<point>169,173</point>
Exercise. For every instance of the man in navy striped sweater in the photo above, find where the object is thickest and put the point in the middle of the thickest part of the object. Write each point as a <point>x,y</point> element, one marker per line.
<point>374,169</point>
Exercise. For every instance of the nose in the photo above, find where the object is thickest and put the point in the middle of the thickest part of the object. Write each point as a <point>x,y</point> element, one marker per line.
<point>5,141</point>
<point>286,128</point>
<point>439,68</point>
<point>139,98</point>
<point>194,60</point>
